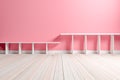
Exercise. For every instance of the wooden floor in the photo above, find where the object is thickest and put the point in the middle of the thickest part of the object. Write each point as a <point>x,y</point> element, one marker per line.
<point>59,67</point>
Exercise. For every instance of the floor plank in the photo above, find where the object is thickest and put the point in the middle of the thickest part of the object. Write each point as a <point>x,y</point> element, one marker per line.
<point>59,67</point>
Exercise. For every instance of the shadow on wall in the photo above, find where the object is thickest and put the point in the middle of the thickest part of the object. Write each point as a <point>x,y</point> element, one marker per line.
<point>117,42</point>
<point>92,42</point>
<point>105,42</point>
<point>2,46</point>
<point>65,42</point>
<point>13,46</point>
<point>79,42</point>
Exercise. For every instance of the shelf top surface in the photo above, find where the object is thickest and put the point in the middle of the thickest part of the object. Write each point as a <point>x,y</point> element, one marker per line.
<point>33,42</point>
<point>90,34</point>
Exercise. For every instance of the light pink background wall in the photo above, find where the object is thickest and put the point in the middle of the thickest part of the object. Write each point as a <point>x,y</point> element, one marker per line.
<point>44,20</point>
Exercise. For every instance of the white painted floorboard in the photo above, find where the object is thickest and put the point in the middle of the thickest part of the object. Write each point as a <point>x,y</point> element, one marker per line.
<point>60,67</point>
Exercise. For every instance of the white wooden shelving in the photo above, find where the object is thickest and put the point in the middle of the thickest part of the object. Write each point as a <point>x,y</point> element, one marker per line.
<point>6,48</point>
<point>92,34</point>
<point>72,42</point>
<point>33,48</point>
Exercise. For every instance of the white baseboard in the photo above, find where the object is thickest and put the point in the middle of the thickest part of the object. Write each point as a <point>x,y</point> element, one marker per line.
<point>61,51</point>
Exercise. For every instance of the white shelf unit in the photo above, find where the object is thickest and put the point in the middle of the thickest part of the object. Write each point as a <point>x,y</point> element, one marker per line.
<point>46,45</point>
<point>112,44</point>
<point>72,42</point>
<point>85,43</point>
<point>98,44</point>
<point>19,48</point>
<point>33,48</point>
<point>6,48</point>
<point>92,34</point>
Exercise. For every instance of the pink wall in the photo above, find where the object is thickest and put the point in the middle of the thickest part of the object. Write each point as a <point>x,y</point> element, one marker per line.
<point>44,20</point>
